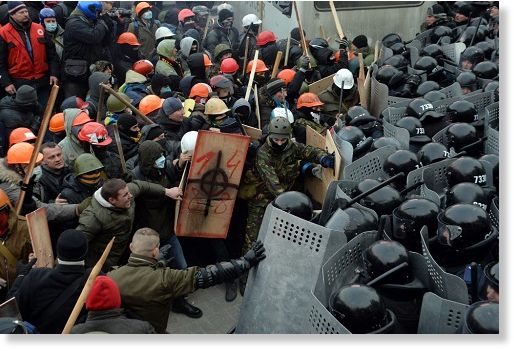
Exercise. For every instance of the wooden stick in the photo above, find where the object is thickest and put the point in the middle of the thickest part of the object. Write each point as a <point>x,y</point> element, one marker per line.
<point>257,108</point>
<point>101,106</point>
<point>252,75</point>
<point>120,148</point>
<point>377,43</point>
<point>206,29</point>
<point>127,103</point>
<point>361,78</point>
<point>245,59</point>
<point>300,27</point>
<point>336,20</point>
<point>276,64</point>
<point>182,185</point>
<point>87,288</point>
<point>40,136</point>
<point>288,46</point>
<point>361,66</point>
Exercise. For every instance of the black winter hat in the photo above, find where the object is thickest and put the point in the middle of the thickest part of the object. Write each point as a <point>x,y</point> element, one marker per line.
<point>360,41</point>
<point>26,95</point>
<point>224,14</point>
<point>126,121</point>
<point>154,133</point>
<point>436,9</point>
<point>72,245</point>
<point>295,34</point>
<point>275,85</point>
<point>15,6</point>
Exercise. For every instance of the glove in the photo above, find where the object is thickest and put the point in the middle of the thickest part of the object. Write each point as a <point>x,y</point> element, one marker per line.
<point>343,43</point>
<point>255,254</point>
<point>24,268</point>
<point>28,188</point>
<point>327,161</point>
<point>165,254</point>
<point>127,177</point>
<point>303,62</point>
<point>318,172</point>
<point>83,205</point>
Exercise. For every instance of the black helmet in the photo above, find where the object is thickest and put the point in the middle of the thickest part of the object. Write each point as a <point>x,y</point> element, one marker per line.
<point>460,135</point>
<point>415,129</point>
<point>492,274</point>
<point>361,220</point>
<point>473,55</point>
<point>434,95</point>
<point>462,111</point>
<point>439,32</point>
<point>398,61</point>
<point>467,193</point>
<point>468,80</point>
<point>385,141</point>
<point>381,201</point>
<point>422,109</point>
<point>386,73</point>
<point>466,169</point>
<point>391,39</point>
<point>486,47</point>
<point>295,203</point>
<point>354,112</point>
<point>432,50</point>
<point>468,33</point>
<point>360,309</point>
<point>482,317</point>
<point>494,160</point>
<point>410,217</point>
<point>427,86</point>
<point>384,255</point>
<point>318,43</point>
<point>400,161</point>
<point>492,86</point>
<point>356,137</point>
<point>486,70</point>
<point>426,64</point>
<point>431,153</point>
<point>462,226</point>
<point>398,48</point>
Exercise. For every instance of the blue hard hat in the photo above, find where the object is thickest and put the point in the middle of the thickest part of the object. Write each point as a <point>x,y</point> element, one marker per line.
<point>90,8</point>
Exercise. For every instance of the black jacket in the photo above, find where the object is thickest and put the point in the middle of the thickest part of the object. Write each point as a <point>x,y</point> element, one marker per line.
<point>50,184</point>
<point>13,115</point>
<point>74,191</point>
<point>218,35</point>
<point>112,321</point>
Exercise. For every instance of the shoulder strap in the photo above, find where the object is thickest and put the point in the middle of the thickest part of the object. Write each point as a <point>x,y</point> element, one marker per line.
<point>4,251</point>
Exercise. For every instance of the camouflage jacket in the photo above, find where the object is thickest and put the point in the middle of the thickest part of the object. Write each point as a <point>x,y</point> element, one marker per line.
<point>331,100</point>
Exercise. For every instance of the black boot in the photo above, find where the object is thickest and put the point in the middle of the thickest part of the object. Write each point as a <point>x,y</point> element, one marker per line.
<point>180,305</point>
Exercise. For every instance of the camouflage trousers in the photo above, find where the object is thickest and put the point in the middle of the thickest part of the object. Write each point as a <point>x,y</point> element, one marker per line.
<point>253,224</point>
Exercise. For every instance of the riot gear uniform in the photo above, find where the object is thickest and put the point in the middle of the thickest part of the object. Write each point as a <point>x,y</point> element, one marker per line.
<point>382,256</point>
<point>466,169</point>
<point>400,161</point>
<point>463,134</point>
<point>462,111</point>
<point>295,203</point>
<point>381,201</point>
<point>431,153</point>
<point>356,137</point>
<point>467,193</point>
<point>416,132</point>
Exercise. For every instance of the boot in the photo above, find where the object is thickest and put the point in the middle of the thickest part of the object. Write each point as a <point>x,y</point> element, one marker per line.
<point>180,305</point>
<point>231,291</point>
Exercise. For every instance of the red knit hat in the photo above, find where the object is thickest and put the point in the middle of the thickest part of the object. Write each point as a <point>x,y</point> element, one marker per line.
<point>104,295</point>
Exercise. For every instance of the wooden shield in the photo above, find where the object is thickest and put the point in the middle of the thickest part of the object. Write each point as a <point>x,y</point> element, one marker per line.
<point>40,237</point>
<point>254,133</point>
<point>322,84</point>
<point>212,185</point>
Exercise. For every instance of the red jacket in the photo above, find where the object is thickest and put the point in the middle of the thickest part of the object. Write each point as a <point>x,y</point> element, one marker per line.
<point>20,65</point>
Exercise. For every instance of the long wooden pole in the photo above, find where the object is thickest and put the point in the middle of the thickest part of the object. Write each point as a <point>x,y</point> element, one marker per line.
<point>87,288</point>
<point>245,59</point>
<point>127,103</point>
<point>40,136</point>
<point>276,64</point>
<point>377,43</point>
<point>120,148</point>
<point>361,78</point>
<point>336,20</point>
<point>100,113</point>
<point>257,108</point>
<point>252,75</point>
<point>300,27</point>
<point>288,46</point>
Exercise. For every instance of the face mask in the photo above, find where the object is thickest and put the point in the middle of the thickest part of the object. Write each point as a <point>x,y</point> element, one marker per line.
<point>315,117</point>
<point>148,15</point>
<point>277,147</point>
<point>160,162</point>
<point>165,90</point>
<point>51,27</point>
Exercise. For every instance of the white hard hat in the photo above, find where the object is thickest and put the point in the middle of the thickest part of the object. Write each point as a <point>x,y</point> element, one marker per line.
<point>225,6</point>
<point>282,112</point>
<point>163,32</point>
<point>250,19</point>
<point>188,141</point>
<point>344,77</point>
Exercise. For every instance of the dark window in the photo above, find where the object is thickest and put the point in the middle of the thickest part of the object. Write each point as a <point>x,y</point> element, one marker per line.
<point>360,5</point>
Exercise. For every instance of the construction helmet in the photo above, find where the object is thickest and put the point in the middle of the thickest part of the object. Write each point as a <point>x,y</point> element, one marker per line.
<point>185,13</point>
<point>142,6</point>
<point>188,141</point>
<point>221,49</point>
<point>260,67</point>
<point>265,37</point>
<point>86,163</point>
<point>206,61</point>
<point>200,90</point>
<point>80,119</point>
<point>19,135</point>
<point>114,105</point>
<point>308,100</point>
<point>282,112</point>
<point>280,128</point>
<point>286,75</point>
<point>21,153</point>
<point>250,19</point>
<point>343,78</point>
<point>128,38</point>
<point>215,106</point>
<point>90,9</point>
<point>95,134</point>
<point>56,123</point>
<point>163,32</point>
<point>229,66</point>
<point>149,104</point>
<point>143,67</point>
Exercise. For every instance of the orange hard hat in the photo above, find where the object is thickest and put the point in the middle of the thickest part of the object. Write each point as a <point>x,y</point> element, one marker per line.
<point>143,67</point>
<point>200,90</point>
<point>308,100</point>
<point>94,133</point>
<point>286,75</point>
<point>21,134</point>
<point>229,66</point>
<point>141,6</point>
<point>21,153</point>
<point>261,66</point>
<point>265,37</point>
<point>4,200</point>
<point>206,60</point>
<point>128,38</point>
<point>185,13</point>
<point>80,119</point>
<point>56,124</point>
<point>149,104</point>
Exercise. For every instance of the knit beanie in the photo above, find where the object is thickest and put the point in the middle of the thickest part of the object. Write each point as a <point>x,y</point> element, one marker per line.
<point>224,14</point>
<point>154,133</point>
<point>360,41</point>
<point>26,95</point>
<point>435,9</point>
<point>171,105</point>
<point>275,85</point>
<point>15,6</point>
<point>72,245</point>
<point>104,295</point>
<point>126,121</point>
<point>295,34</point>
